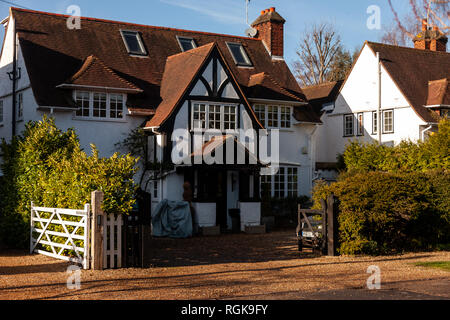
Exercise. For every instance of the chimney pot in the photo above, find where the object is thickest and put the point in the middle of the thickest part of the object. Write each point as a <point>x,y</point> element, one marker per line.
<point>435,28</point>
<point>424,24</point>
<point>263,11</point>
<point>272,9</point>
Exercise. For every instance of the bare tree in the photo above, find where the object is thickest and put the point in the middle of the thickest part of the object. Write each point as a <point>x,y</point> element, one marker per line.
<point>405,28</point>
<point>316,53</point>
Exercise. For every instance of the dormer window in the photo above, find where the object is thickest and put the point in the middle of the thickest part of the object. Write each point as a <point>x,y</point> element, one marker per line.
<point>186,44</point>
<point>239,55</point>
<point>133,43</point>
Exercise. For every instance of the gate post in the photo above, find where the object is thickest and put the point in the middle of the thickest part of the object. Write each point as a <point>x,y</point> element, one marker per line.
<point>332,229</point>
<point>98,222</point>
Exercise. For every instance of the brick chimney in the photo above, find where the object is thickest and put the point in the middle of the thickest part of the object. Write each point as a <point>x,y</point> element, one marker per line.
<point>270,26</point>
<point>430,39</point>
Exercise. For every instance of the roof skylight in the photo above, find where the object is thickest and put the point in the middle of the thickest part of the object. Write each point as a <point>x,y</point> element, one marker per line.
<point>133,42</point>
<point>239,55</point>
<point>186,44</point>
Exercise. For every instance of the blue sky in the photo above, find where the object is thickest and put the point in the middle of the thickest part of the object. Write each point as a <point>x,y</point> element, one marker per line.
<point>228,16</point>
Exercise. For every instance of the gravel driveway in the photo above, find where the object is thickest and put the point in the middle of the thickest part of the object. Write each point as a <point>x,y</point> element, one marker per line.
<point>229,267</point>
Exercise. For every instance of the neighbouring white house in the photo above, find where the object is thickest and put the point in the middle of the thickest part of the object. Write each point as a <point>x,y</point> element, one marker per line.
<point>108,78</point>
<point>408,89</point>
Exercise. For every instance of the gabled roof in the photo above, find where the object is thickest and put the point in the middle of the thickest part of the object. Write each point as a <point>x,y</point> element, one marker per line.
<point>181,70</point>
<point>95,74</point>
<point>53,53</point>
<point>438,93</point>
<point>412,69</point>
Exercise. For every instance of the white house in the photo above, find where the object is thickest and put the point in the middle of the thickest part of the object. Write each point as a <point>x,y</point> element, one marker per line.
<point>108,77</point>
<point>407,88</point>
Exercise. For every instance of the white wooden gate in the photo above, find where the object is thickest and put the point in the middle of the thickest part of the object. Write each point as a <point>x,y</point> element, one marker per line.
<point>112,246</point>
<point>61,233</point>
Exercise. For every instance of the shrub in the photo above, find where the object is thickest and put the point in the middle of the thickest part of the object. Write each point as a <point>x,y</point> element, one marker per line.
<point>47,166</point>
<point>383,212</point>
<point>407,156</point>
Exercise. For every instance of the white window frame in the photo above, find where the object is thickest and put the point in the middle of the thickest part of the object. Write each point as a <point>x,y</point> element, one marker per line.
<point>19,106</point>
<point>375,122</point>
<point>179,38</point>
<point>352,117</point>
<point>108,107</point>
<point>222,115</point>
<point>248,62</point>
<point>1,113</point>
<point>143,51</point>
<point>287,187</point>
<point>265,120</point>
<point>360,124</point>
<point>391,111</point>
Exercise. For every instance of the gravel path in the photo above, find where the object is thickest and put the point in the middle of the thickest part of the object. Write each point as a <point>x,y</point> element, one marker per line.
<point>229,267</point>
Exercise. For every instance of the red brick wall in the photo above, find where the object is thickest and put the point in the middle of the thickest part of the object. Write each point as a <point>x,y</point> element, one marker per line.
<point>272,33</point>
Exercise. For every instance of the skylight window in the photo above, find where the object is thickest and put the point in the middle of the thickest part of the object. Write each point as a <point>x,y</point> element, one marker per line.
<point>186,44</point>
<point>239,55</point>
<point>133,42</point>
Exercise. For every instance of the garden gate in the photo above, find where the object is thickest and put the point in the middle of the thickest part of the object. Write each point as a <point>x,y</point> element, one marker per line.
<point>61,233</point>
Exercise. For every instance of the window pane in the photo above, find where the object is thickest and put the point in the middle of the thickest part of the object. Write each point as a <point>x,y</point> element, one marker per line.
<point>272,116</point>
<point>239,54</point>
<point>82,101</point>
<point>260,112</point>
<point>116,106</point>
<point>285,117</point>
<point>348,125</point>
<point>199,116</point>
<point>388,121</point>
<point>375,122</point>
<point>134,42</point>
<point>99,105</point>
<point>279,183</point>
<point>292,177</point>
<point>214,117</point>
<point>186,43</point>
<point>360,124</point>
<point>229,117</point>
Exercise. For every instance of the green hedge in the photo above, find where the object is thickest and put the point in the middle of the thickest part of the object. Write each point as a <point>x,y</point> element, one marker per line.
<point>382,213</point>
<point>407,156</point>
<point>47,166</point>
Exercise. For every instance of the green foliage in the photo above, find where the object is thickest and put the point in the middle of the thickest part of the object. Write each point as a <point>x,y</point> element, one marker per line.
<point>393,198</point>
<point>407,156</point>
<point>47,166</point>
<point>382,212</point>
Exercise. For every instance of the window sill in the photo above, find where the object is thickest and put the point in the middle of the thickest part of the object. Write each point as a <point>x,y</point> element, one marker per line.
<point>99,119</point>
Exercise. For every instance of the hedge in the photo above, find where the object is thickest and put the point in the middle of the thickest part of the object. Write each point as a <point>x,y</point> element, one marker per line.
<point>393,198</point>
<point>47,166</point>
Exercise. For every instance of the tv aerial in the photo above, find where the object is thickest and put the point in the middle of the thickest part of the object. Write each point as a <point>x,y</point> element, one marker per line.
<point>250,32</point>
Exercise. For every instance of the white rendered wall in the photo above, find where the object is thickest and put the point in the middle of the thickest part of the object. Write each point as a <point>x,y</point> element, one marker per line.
<point>360,94</point>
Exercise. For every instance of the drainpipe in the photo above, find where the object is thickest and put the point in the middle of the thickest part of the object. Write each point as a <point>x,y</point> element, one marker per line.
<point>14,78</point>
<point>379,117</point>
<point>424,131</point>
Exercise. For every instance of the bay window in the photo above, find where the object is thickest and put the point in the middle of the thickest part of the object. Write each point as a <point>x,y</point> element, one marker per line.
<point>283,184</point>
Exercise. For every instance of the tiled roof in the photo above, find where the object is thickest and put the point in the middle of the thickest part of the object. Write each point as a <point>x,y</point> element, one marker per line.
<point>53,53</point>
<point>94,73</point>
<point>318,95</point>
<point>412,69</point>
<point>438,93</point>
<point>179,73</point>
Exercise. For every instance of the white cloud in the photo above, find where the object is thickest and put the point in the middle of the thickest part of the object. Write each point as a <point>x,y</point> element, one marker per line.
<point>231,12</point>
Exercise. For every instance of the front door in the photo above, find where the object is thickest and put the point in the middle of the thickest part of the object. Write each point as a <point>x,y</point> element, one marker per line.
<point>232,193</point>
<point>221,200</point>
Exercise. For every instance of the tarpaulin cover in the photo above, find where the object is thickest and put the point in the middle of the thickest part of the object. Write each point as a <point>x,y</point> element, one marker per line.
<point>172,219</point>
